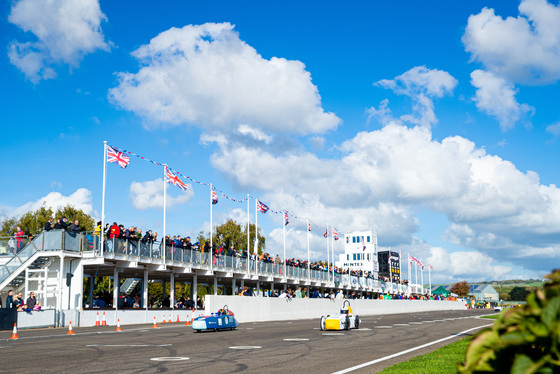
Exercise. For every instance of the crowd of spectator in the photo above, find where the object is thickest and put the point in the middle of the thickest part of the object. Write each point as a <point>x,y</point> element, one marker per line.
<point>21,304</point>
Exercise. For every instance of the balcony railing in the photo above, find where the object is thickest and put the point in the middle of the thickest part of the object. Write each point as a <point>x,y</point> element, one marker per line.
<point>153,252</point>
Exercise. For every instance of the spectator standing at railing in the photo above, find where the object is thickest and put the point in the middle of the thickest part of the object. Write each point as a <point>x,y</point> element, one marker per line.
<point>10,299</point>
<point>19,238</point>
<point>97,230</point>
<point>114,232</point>
<point>75,227</point>
<point>62,224</point>
<point>48,225</point>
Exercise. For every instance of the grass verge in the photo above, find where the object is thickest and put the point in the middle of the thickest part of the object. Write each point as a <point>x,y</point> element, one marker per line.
<point>441,361</point>
<point>494,316</point>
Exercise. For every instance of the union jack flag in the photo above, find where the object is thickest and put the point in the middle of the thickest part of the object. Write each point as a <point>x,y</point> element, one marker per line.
<point>261,207</point>
<point>174,179</point>
<point>118,157</point>
<point>308,227</point>
<point>214,197</point>
<point>431,267</point>
<point>326,234</point>
<point>335,234</point>
<point>286,220</point>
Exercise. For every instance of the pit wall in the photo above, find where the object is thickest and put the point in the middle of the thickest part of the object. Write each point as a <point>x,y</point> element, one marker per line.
<point>253,309</point>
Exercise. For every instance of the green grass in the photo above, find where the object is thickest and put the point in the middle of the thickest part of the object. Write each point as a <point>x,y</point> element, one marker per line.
<point>490,317</point>
<point>441,361</point>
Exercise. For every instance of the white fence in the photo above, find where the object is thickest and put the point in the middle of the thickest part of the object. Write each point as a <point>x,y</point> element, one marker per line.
<point>252,309</point>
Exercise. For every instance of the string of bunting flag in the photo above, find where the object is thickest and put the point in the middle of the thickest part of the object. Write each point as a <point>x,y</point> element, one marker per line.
<point>118,156</point>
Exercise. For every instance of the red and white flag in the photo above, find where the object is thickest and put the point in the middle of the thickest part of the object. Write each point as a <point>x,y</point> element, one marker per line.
<point>174,179</point>
<point>214,197</point>
<point>117,157</point>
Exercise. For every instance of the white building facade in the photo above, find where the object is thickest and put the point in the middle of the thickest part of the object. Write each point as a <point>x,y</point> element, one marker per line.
<point>360,252</point>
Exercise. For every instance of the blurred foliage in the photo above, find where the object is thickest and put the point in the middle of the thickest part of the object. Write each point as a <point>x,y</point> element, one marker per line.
<point>33,222</point>
<point>460,288</point>
<point>523,339</point>
<point>518,294</point>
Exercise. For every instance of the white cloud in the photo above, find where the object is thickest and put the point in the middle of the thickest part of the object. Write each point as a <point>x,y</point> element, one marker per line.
<point>256,134</point>
<point>554,129</point>
<point>496,97</point>
<point>422,85</point>
<point>149,194</point>
<point>525,49</point>
<point>384,176</point>
<point>66,30</point>
<point>81,199</point>
<point>207,76</point>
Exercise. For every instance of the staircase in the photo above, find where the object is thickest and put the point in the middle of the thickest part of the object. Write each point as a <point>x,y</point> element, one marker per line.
<point>129,285</point>
<point>32,256</point>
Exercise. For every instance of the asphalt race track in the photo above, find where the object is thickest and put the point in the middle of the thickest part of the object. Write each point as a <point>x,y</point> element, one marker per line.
<point>264,347</point>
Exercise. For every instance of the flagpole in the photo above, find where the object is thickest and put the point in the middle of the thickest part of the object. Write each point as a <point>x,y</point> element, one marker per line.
<point>256,229</point>
<point>248,231</point>
<point>429,280</point>
<point>389,267</point>
<point>422,276</point>
<point>400,266</point>
<point>102,232</point>
<point>284,233</point>
<point>409,272</point>
<point>328,257</point>
<point>211,228</point>
<point>308,266</point>
<point>332,250</point>
<point>164,211</point>
<point>416,273</point>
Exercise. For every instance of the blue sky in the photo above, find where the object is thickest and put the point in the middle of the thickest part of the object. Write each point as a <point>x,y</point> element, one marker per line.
<point>432,123</point>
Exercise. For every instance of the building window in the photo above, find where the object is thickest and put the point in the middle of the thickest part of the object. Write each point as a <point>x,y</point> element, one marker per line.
<point>353,239</point>
<point>347,257</point>
<point>368,239</point>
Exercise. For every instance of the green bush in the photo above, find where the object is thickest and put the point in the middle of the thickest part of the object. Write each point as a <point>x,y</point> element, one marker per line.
<point>523,339</point>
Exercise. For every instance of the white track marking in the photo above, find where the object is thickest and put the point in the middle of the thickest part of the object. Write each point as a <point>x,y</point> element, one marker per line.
<point>128,345</point>
<point>295,339</point>
<point>170,358</point>
<point>246,347</point>
<point>407,351</point>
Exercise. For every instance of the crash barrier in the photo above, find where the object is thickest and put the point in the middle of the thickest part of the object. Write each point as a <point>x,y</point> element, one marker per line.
<point>255,309</point>
<point>8,316</point>
<point>138,316</point>
<point>36,319</point>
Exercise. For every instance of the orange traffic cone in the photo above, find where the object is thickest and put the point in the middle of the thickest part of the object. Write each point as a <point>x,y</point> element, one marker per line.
<point>14,333</point>
<point>164,321</point>
<point>70,331</point>
<point>169,319</point>
<point>178,318</point>
<point>118,325</point>
<point>104,322</point>
<point>97,320</point>
<point>154,326</point>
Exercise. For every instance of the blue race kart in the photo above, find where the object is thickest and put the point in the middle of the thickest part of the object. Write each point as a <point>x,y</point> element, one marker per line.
<point>224,319</point>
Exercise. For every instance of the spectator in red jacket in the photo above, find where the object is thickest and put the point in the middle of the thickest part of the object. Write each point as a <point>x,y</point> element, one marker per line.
<point>115,231</point>
<point>19,238</point>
